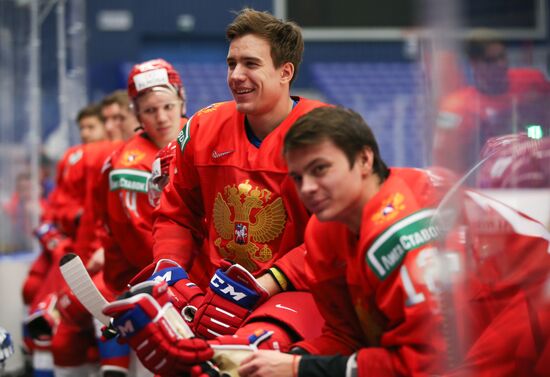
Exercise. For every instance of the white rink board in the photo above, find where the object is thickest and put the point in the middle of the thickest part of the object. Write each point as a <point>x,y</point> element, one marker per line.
<point>532,202</point>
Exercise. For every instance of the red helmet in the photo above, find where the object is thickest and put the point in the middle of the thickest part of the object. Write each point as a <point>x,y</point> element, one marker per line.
<point>157,72</point>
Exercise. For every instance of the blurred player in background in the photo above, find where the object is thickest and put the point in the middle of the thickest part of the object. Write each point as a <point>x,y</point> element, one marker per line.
<point>70,326</point>
<point>120,120</point>
<point>502,100</point>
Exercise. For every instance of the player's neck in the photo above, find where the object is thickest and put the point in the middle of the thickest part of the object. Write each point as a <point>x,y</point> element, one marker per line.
<point>371,186</point>
<point>261,125</point>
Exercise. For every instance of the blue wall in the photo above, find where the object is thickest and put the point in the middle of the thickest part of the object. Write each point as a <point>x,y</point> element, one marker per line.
<point>158,36</point>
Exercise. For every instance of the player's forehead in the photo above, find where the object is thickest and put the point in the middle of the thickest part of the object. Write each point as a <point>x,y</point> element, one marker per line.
<point>249,46</point>
<point>111,109</point>
<point>156,97</point>
<point>302,157</point>
<point>89,121</point>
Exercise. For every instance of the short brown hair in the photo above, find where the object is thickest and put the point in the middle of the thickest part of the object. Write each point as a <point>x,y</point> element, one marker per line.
<point>344,127</point>
<point>284,37</point>
<point>92,110</point>
<point>119,97</point>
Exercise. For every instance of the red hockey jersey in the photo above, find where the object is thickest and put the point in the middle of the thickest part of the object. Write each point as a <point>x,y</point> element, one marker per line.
<point>468,118</point>
<point>230,199</point>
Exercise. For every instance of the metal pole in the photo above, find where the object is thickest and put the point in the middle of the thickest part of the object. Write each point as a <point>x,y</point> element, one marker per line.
<point>35,108</point>
<point>62,76</point>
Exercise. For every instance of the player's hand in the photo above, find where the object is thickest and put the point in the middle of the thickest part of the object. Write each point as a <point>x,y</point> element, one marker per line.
<point>185,295</point>
<point>6,345</point>
<point>160,173</point>
<point>96,262</point>
<point>49,236</point>
<point>232,295</point>
<point>229,352</point>
<point>146,320</point>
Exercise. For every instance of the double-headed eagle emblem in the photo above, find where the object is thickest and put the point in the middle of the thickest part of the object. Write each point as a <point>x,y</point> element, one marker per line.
<point>246,222</point>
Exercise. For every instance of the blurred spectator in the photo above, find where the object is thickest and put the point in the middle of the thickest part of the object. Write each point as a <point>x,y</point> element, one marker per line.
<point>21,209</point>
<point>502,100</point>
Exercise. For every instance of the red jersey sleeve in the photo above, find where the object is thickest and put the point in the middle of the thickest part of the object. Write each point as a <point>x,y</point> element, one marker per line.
<point>178,222</point>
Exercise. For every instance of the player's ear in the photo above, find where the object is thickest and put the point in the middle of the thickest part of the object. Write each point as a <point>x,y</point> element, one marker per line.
<point>287,72</point>
<point>366,160</point>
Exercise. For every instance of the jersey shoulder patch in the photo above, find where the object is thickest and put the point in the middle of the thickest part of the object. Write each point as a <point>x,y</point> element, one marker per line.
<point>390,247</point>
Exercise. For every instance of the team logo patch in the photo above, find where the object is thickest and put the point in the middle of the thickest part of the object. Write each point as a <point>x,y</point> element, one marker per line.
<point>389,209</point>
<point>246,219</point>
<point>129,179</point>
<point>389,249</point>
<point>183,137</point>
<point>132,157</point>
<point>209,108</point>
<point>75,156</point>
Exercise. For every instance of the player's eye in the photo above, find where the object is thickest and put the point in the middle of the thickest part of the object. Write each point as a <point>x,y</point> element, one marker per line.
<point>319,170</point>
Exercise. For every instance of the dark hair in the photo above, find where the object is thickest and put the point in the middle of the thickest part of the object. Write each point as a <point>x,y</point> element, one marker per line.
<point>284,37</point>
<point>344,127</point>
<point>91,110</point>
<point>119,97</point>
<point>477,42</point>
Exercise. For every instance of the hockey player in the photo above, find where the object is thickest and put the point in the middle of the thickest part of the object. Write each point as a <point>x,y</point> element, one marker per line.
<point>371,246</point>
<point>229,197</point>
<point>158,97</point>
<point>500,102</point>
<point>62,215</point>
<point>76,326</point>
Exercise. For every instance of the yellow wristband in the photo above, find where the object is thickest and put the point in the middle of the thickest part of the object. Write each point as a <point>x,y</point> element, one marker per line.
<point>279,277</point>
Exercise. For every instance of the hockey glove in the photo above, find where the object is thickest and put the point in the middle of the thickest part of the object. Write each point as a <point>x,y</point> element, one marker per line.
<point>232,295</point>
<point>156,331</point>
<point>49,237</point>
<point>185,295</point>
<point>42,322</point>
<point>160,172</point>
<point>6,345</point>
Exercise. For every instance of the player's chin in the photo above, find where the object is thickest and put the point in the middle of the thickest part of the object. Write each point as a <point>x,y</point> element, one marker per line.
<point>322,211</point>
<point>244,107</point>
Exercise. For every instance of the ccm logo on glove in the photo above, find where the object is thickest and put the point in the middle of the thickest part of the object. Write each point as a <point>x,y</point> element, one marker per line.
<point>232,290</point>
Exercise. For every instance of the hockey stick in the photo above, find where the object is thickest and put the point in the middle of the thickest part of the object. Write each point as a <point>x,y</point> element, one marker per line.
<point>78,279</point>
